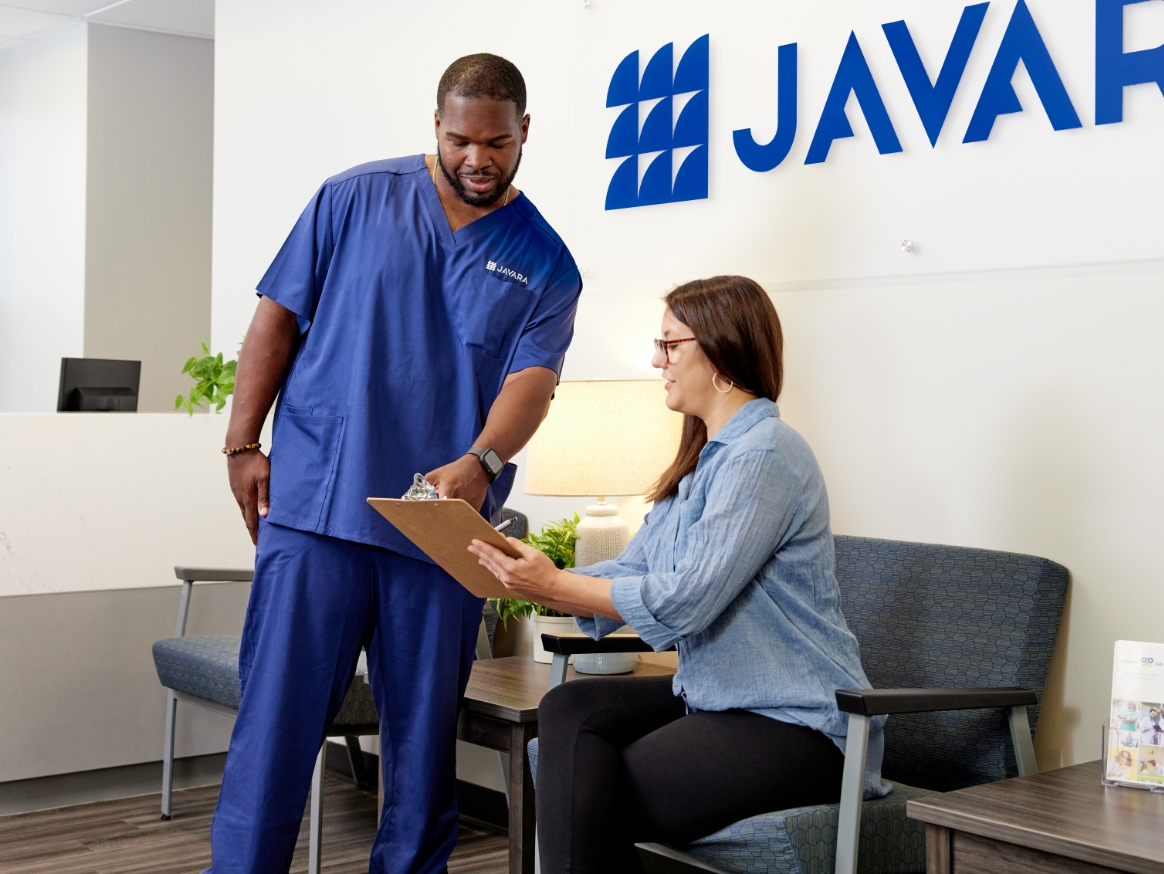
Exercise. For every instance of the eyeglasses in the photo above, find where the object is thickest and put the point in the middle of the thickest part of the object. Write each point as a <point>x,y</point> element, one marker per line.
<point>663,347</point>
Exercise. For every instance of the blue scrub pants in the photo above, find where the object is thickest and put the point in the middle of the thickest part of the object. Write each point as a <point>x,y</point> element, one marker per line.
<point>315,600</point>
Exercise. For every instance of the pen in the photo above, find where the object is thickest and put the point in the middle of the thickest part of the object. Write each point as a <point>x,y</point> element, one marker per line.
<point>503,525</point>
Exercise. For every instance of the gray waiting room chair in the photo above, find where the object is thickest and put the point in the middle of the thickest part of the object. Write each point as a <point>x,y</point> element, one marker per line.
<point>203,670</point>
<point>956,644</point>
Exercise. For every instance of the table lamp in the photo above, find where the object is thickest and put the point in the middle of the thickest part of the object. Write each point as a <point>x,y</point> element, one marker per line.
<point>603,438</point>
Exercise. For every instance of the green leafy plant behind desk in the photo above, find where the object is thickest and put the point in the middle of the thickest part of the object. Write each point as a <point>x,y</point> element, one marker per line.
<point>213,381</point>
<point>556,541</point>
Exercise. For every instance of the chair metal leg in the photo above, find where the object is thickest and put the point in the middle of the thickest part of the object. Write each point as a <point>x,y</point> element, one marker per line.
<point>660,859</point>
<point>503,761</point>
<point>852,794</point>
<point>183,608</point>
<point>1024,747</point>
<point>484,650</point>
<point>356,760</point>
<point>168,754</point>
<point>315,845</point>
<point>558,669</point>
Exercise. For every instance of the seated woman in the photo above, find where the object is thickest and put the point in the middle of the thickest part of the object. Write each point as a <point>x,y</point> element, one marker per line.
<point>734,566</point>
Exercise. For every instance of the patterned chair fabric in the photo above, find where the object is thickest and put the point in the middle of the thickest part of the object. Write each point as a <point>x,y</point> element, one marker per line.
<point>203,666</point>
<point>207,667</point>
<point>929,615</point>
<point>357,715</point>
<point>520,525</point>
<point>925,615</point>
<point>531,752</point>
<point>804,840</point>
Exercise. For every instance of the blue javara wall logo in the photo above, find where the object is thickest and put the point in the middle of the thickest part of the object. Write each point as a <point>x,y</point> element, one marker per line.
<point>1115,70</point>
<point>673,141</point>
<point>674,135</point>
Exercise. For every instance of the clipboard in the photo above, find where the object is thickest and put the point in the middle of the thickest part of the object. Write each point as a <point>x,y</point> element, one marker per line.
<point>442,529</point>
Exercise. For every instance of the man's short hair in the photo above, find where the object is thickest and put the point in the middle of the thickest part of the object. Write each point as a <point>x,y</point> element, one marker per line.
<point>483,75</point>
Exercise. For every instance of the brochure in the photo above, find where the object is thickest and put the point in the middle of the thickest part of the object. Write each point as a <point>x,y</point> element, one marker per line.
<point>1135,741</point>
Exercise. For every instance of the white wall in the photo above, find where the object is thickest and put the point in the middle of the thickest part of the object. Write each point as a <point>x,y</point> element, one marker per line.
<point>282,126</point>
<point>105,185</point>
<point>998,387</point>
<point>42,216</point>
<point>147,274</point>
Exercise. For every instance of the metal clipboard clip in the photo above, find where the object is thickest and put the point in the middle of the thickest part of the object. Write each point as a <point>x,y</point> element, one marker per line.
<point>421,490</point>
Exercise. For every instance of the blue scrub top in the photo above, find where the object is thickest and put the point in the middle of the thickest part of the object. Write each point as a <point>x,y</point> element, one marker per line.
<point>408,331</point>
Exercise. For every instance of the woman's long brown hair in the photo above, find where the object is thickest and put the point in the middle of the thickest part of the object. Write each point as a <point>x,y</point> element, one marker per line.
<point>736,326</point>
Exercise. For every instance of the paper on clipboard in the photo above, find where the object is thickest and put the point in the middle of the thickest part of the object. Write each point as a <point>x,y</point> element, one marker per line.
<point>442,530</point>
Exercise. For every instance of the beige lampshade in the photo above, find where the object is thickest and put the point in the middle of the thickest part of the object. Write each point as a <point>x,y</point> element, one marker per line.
<point>602,438</point>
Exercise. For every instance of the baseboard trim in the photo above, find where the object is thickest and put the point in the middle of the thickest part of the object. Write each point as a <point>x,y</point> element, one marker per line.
<point>106,784</point>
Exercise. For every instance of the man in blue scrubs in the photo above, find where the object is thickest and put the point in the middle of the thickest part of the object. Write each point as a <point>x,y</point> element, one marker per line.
<point>415,320</point>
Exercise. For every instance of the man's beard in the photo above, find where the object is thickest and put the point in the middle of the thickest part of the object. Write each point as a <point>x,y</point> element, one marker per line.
<point>478,199</point>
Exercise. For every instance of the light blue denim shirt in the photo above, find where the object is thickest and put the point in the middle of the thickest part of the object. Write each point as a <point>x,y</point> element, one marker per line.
<point>738,572</point>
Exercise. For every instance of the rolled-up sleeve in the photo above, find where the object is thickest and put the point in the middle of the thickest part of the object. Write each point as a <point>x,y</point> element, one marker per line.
<point>632,561</point>
<point>753,504</point>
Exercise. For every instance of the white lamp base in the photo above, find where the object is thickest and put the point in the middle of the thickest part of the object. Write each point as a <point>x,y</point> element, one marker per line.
<point>602,535</point>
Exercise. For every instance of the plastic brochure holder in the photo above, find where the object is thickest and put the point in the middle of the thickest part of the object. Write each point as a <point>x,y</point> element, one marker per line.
<point>1133,735</point>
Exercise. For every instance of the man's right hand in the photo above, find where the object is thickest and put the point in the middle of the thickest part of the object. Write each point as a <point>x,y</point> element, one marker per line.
<point>250,476</point>
<point>262,366</point>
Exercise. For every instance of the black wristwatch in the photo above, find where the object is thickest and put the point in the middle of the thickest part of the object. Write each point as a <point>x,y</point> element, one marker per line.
<point>490,461</point>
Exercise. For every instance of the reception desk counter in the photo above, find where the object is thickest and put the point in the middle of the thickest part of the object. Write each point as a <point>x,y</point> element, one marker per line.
<point>95,512</point>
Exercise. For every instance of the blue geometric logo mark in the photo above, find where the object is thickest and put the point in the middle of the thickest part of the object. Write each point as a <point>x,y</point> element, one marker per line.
<point>671,141</point>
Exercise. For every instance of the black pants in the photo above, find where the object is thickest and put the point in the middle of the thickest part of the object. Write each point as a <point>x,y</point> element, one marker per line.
<point>620,761</point>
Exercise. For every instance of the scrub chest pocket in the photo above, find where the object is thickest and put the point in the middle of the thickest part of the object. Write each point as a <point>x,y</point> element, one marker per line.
<point>489,311</point>
<point>307,447</point>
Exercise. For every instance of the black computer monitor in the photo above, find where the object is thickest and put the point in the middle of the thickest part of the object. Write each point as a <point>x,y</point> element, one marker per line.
<point>90,385</point>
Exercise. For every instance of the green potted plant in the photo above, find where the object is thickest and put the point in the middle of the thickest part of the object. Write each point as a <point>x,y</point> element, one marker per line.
<point>556,541</point>
<point>213,381</point>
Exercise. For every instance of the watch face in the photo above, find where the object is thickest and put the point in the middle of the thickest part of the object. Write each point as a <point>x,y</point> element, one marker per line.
<point>492,462</point>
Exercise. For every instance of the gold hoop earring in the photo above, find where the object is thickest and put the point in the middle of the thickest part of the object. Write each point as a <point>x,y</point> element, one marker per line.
<point>722,391</point>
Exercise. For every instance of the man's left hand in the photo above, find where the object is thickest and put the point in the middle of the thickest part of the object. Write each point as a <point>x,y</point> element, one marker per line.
<point>465,478</point>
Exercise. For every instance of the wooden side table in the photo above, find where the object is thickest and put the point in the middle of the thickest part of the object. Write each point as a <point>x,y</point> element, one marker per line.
<point>501,713</point>
<point>1059,822</point>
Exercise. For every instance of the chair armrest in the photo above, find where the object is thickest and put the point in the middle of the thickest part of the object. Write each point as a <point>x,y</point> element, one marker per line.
<point>213,575</point>
<point>875,702</point>
<point>861,704</point>
<point>581,644</point>
<point>191,575</point>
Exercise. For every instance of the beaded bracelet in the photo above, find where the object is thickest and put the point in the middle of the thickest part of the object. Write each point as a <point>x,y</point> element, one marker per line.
<point>237,450</point>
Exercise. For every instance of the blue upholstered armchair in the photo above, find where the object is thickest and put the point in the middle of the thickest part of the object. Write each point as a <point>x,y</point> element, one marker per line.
<point>203,671</point>
<point>956,643</point>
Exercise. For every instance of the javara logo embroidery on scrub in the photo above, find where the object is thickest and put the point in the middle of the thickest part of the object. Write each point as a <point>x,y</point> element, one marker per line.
<point>506,273</point>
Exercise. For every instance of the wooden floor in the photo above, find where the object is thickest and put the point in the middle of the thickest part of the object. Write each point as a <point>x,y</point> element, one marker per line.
<point>129,837</point>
